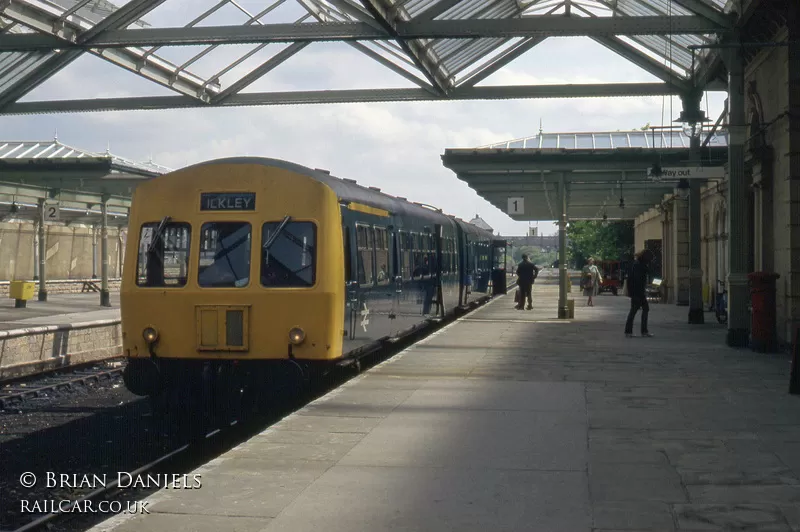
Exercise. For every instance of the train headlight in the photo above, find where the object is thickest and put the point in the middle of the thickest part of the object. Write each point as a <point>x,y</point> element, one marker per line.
<point>297,336</point>
<point>150,335</point>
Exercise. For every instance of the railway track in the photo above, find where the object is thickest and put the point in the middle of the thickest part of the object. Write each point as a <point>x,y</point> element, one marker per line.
<point>112,488</point>
<point>43,384</point>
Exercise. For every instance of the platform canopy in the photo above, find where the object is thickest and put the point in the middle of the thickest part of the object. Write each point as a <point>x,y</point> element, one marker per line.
<point>75,180</point>
<point>210,53</point>
<point>606,174</point>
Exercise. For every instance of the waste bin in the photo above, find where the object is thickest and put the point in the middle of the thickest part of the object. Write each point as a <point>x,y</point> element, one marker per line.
<point>499,281</point>
<point>571,309</point>
<point>762,299</point>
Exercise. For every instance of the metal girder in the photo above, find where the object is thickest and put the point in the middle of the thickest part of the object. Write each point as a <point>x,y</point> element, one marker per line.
<point>120,18</point>
<point>270,64</point>
<point>699,7</point>
<point>345,96</point>
<point>475,77</point>
<point>541,26</point>
<point>16,190</point>
<point>643,61</point>
<point>433,70</point>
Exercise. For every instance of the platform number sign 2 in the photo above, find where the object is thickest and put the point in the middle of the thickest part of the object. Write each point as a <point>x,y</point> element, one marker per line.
<point>516,205</point>
<point>52,211</point>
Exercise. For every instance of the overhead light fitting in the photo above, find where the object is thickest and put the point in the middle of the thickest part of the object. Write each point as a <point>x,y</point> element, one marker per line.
<point>682,190</point>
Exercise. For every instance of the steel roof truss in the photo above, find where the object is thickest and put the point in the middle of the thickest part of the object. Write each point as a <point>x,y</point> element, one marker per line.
<point>642,60</point>
<point>118,19</point>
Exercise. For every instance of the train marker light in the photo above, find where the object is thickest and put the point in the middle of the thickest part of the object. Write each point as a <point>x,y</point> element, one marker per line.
<point>297,336</point>
<point>150,335</point>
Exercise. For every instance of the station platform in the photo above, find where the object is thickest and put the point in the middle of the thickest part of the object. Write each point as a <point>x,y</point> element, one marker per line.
<point>510,420</point>
<point>59,309</point>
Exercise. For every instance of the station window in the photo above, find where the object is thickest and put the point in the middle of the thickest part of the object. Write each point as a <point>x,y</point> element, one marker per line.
<point>382,255</point>
<point>288,254</point>
<point>365,243</point>
<point>163,254</point>
<point>224,255</point>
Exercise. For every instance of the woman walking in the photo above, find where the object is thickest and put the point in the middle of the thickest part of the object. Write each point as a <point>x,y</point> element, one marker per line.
<point>591,280</point>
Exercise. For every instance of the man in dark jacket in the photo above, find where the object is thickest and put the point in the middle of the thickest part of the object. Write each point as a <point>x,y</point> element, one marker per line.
<point>526,274</point>
<point>637,290</point>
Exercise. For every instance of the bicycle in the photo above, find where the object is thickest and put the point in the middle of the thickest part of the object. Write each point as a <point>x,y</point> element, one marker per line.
<point>721,308</point>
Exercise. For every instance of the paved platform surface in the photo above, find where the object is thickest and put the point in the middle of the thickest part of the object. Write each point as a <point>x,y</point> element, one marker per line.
<point>512,420</point>
<point>59,309</point>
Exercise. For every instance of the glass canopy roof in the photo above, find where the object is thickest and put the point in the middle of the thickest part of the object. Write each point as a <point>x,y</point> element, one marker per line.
<point>211,51</point>
<point>610,140</point>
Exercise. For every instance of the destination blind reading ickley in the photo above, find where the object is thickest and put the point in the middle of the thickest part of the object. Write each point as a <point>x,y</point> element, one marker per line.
<point>227,201</point>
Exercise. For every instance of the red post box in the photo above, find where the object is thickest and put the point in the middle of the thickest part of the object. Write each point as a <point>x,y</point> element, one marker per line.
<point>762,298</point>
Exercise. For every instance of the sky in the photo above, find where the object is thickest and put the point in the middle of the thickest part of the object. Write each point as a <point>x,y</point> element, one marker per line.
<point>394,146</point>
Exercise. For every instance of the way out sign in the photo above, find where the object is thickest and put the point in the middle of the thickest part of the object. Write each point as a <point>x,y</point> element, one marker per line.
<point>689,172</point>
<point>516,205</point>
<point>52,211</point>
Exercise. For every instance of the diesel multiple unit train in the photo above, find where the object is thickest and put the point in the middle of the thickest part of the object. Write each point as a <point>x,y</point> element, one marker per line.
<point>238,267</point>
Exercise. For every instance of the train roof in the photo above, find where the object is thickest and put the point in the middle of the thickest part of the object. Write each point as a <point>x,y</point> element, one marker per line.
<point>349,190</point>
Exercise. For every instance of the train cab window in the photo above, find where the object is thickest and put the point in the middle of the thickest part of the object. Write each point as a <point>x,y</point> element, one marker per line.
<point>382,255</point>
<point>224,255</point>
<point>163,254</point>
<point>288,254</point>
<point>365,243</point>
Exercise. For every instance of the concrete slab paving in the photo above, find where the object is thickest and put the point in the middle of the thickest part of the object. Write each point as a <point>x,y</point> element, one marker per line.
<point>59,309</point>
<point>513,420</point>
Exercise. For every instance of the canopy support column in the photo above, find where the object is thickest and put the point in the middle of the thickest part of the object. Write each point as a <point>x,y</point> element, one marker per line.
<point>563,311</point>
<point>738,232</point>
<point>105,298</point>
<point>696,314</point>
<point>42,253</point>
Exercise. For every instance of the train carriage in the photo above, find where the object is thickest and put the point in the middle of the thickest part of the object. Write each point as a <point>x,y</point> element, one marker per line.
<point>237,265</point>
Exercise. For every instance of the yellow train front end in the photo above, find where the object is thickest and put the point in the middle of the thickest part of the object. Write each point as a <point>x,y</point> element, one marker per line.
<point>232,268</point>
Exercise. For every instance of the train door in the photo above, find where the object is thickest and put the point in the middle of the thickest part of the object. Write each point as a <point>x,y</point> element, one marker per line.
<point>351,285</point>
<point>397,280</point>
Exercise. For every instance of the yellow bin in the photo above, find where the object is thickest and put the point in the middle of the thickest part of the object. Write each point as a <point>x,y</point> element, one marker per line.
<point>22,290</point>
<point>571,309</point>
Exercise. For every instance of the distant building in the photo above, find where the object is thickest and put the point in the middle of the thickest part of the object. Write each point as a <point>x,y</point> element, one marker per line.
<point>480,222</point>
<point>546,243</point>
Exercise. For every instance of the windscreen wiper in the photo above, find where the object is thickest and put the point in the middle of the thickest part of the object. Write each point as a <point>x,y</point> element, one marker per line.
<point>268,243</point>
<point>158,233</point>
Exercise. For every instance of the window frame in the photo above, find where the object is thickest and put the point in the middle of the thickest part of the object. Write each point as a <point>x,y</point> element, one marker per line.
<point>314,255</point>
<point>248,255</point>
<point>369,278</point>
<point>154,225</point>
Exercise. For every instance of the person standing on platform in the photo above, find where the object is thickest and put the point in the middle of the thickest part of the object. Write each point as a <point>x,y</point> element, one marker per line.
<point>591,280</point>
<point>636,289</point>
<point>526,275</point>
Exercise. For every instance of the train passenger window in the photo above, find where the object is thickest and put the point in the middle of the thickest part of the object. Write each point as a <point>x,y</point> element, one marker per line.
<point>290,259</point>
<point>382,255</point>
<point>405,249</point>
<point>365,243</point>
<point>165,262</point>
<point>224,255</point>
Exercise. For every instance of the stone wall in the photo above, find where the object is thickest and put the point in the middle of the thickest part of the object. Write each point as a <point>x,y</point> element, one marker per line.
<point>65,286</point>
<point>69,252</point>
<point>29,351</point>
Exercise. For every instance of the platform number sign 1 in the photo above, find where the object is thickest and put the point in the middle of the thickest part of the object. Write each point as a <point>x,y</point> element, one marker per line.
<point>52,211</point>
<point>516,205</point>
